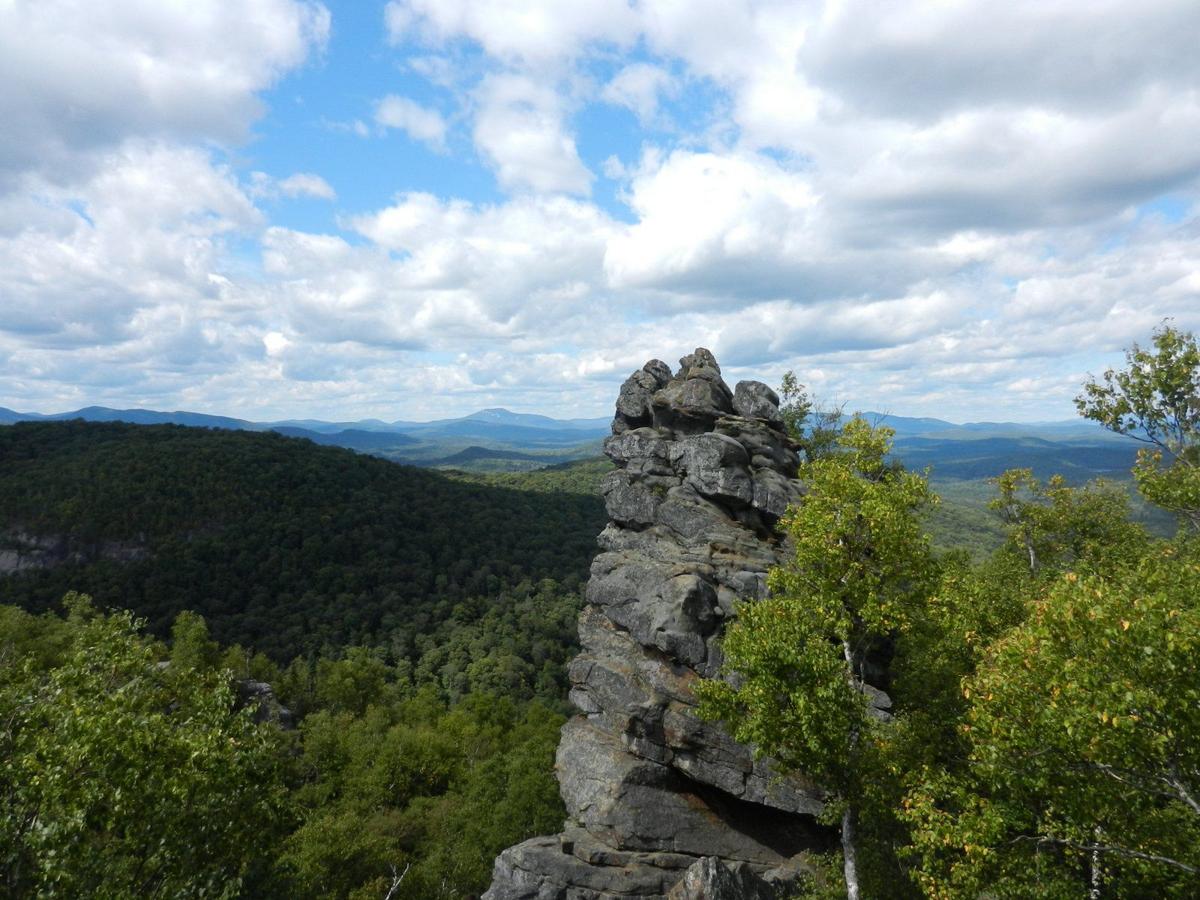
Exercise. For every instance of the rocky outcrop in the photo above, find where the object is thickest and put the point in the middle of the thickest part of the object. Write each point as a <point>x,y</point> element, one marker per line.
<point>22,551</point>
<point>661,803</point>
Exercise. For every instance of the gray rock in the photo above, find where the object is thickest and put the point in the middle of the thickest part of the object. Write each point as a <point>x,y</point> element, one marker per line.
<point>633,402</point>
<point>631,500</point>
<point>661,802</point>
<point>716,467</point>
<point>640,450</point>
<point>698,362</point>
<point>711,879</point>
<point>631,803</point>
<point>755,400</point>
<point>773,494</point>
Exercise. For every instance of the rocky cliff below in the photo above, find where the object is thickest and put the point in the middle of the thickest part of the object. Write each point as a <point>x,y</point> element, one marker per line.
<point>660,803</point>
<point>23,551</point>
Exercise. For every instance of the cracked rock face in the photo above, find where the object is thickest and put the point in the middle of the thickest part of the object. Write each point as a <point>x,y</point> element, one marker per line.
<point>660,802</point>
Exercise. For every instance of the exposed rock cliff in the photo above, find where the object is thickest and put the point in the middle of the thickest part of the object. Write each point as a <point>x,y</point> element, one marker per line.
<point>22,551</point>
<point>653,793</point>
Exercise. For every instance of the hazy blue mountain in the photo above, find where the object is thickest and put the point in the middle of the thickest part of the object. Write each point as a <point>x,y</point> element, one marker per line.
<point>423,443</point>
<point>352,438</point>
<point>492,437</point>
<point>322,427</point>
<point>959,458</point>
<point>145,417</point>
<point>907,426</point>
<point>502,416</point>
<point>519,435</point>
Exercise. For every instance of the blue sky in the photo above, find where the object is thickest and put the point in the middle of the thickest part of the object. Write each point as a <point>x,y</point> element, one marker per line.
<point>418,208</point>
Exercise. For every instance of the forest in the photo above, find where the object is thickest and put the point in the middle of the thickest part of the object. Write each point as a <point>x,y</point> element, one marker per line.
<point>1044,740</point>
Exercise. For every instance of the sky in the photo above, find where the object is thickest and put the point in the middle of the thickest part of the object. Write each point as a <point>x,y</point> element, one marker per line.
<point>415,209</point>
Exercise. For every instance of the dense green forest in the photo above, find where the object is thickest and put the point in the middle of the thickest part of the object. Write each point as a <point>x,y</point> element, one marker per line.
<point>1043,740</point>
<point>280,544</point>
<point>128,769</point>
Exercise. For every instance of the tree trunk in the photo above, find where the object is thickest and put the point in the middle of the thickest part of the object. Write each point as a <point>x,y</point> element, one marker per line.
<point>849,854</point>
<point>1096,872</point>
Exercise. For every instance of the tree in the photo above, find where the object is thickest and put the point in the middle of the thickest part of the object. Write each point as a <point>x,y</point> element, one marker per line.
<point>1082,744</point>
<point>1156,400</point>
<point>120,777</point>
<point>1055,526</point>
<point>814,428</point>
<point>861,568</point>
<point>191,647</point>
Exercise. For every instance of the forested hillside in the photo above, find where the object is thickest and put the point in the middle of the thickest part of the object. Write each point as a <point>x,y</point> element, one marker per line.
<point>281,545</point>
<point>1041,739</point>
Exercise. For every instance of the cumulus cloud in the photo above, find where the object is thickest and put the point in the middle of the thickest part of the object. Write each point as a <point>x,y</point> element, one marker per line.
<point>531,32</point>
<point>419,122</point>
<point>956,208</point>
<point>306,184</point>
<point>638,87</point>
<point>82,77</point>
<point>144,232</point>
<point>520,131</point>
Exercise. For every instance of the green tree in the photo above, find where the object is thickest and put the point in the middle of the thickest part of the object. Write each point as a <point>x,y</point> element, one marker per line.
<point>1055,526</point>
<point>860,571</point>
<point>122,778</point>
<point>1156,399</point>
<point>814,428</point>
<point>191,647</point>
<point>416,798</point>
<point>1082,745</point>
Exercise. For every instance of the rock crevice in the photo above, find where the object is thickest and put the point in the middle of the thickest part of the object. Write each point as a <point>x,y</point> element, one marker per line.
<point>657,798</point>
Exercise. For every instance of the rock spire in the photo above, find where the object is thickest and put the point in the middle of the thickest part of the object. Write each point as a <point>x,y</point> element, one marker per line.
<point>660,803</point>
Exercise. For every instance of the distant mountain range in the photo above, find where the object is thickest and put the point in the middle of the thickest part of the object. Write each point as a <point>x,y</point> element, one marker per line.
<point>493,434</point>
<point>495,438</point>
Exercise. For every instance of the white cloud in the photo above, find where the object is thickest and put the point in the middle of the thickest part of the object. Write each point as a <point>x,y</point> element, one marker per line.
<point>299,184</point>
<point>935,207</point>
<point>140,239</point>
<point>532,32</point>
<point>638,87</point>
<point>726,227</point>
<point>419,122</point>
<point>81,77</point>
<point>306,184</point>
<point>519,130</point>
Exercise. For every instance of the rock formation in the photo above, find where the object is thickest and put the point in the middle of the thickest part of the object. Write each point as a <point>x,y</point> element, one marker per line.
<point>660,803</point>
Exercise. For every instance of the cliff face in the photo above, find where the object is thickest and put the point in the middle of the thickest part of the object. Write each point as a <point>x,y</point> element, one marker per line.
<point>653,792</point>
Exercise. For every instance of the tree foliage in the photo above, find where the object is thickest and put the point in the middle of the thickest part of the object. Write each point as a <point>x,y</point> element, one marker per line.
<point>1156,399</point>
<point>281,545</point>
<point>859,572</point>
<point>1080,734</point>
<point>120,777</point>
<point>814,427</point>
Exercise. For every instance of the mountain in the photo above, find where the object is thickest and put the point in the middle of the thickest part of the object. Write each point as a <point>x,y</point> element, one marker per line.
<point>350,438</point>
<point>986,456</point>
<point>906,426</point>
<point>132,416</point>
<point>501,416</point>
<point>496,426</point>
<point>494,439</point>
<point>322,427</point>
<point>280,544</point>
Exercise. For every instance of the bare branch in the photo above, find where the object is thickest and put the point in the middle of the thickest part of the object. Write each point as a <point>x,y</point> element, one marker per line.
<point>1046,840</point>
<point>396,879</point>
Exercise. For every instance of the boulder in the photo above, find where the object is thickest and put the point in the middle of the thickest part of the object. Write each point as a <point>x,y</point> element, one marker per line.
<point>754,400</point>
